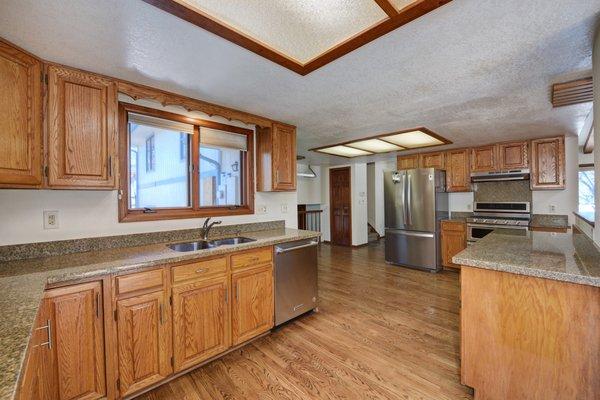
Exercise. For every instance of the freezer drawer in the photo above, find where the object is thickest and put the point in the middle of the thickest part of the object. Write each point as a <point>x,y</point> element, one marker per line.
<point>412,249</point>
<point>295,279</point>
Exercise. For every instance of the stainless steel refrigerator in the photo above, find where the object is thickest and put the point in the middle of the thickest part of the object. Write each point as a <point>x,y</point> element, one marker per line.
<point>415,203</point>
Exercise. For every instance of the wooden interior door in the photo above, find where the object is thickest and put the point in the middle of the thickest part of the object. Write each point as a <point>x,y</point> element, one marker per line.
<point>143,341</point>
<point>284,157</point>
<point>201,321</point>
<point>340,206</point>
<point>252,304</point>
<point>76,335</point>
<point>20,118</point>
<point>82,121</point>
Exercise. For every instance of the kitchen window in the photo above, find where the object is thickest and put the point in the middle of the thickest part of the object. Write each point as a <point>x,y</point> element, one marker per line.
<point>586,205</point>
<point>189,167</point>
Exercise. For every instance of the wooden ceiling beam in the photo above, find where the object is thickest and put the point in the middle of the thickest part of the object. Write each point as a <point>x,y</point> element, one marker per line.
<point>388,7</point>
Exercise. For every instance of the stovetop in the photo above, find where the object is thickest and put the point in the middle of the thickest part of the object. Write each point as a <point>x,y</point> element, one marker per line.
<point>505,213</point>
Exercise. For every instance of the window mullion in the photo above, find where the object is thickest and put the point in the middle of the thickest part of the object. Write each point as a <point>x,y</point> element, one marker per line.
<point>195,162</point>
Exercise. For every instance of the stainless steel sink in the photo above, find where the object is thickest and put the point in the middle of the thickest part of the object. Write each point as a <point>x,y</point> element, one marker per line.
<point>192,246</point>
<point>233,240</point>
<point>208,244</point>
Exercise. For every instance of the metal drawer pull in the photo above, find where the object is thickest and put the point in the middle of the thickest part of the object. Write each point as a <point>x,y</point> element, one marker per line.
<point>255,258</point>
<point>298,306</point>
<point>48,327</point>
<point>201,270</point>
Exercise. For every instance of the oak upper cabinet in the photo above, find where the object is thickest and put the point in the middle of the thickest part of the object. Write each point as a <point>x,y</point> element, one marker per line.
<point>454,240</point>
<point>200,321</point>
<point>513,155</point>
<point>458,176</point>
<point>252,303</point>
<point>20,118</point>
<point>66,358</point>
<point>548,163</point>
<point>143,330</point>
<point>433,160</point>
<point>82,136</point>
<point>276,163</point>
<point>408,162</point>
<point>484,158</point>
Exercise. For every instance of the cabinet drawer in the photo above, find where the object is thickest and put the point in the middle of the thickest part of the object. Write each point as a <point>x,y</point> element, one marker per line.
<point>140,281</point>
<point>252,257</point>
<point>199,269</point>
<point>453,226</point>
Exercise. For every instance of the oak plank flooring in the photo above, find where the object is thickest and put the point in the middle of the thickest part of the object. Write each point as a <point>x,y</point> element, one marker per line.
<point>382,332</point>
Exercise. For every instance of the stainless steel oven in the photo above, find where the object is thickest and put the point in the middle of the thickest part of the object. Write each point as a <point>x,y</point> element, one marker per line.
<point>510,218</point>
<point>479,231</point>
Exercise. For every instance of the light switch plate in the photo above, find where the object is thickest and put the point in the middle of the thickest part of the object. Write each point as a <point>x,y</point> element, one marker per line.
<point>261,209</point>
<point>284,208</point>
<point>51,219</point>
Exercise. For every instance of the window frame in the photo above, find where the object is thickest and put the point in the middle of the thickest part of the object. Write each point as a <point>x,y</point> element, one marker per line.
<point>127,214</point>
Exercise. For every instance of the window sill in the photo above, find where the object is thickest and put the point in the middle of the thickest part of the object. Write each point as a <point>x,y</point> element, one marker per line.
<point>167,214</point>
<point>584,219</point>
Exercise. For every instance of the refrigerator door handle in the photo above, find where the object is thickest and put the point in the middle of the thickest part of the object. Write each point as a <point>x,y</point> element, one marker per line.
<point>408,201</point>
<point>414,234</point>
<point>404,198</point>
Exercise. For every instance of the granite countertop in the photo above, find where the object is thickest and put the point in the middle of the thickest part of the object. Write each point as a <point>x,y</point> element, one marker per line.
<point>549,221</point>
<point>22,285</point>
<point>567,257</point>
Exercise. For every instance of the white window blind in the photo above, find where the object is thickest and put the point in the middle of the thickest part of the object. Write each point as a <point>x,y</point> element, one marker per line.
<point>161,123</point>
<point>216,138</point>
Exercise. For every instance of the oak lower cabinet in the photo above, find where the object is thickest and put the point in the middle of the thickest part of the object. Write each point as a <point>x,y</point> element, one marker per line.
<point>20,118</point>
<point>144,341</point>
<point>200,321</point>
<point>82,130</point>
<point>252,304</point>
<point>454,240</point>
<point>66,358</point>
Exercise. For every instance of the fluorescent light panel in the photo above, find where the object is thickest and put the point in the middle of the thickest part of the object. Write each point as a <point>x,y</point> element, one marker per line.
<point>344,151</point>
<point>413,139</point>
<point>375,146</point>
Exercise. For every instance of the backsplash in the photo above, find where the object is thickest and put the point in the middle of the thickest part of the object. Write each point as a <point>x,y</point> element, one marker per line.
<point>502,191</point>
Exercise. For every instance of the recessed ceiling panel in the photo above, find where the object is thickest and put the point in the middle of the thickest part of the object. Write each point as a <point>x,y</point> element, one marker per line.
<point>400,4</point>
<point>413,139</point>
<point>344,151</point>
<point>375,146</point>
<point>298,29</point>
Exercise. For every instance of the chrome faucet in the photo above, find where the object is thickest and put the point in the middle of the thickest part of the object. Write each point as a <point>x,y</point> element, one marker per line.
<point>206,227</point>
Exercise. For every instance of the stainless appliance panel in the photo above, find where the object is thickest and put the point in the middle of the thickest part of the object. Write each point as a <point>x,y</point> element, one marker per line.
<point>295,279</point>
<point>394,191</point>
<point>479,231</point>
<point>412,249</point>
<point>420,199</point>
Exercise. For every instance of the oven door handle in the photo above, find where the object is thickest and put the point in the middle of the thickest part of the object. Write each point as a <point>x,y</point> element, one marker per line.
<point>498,226</point>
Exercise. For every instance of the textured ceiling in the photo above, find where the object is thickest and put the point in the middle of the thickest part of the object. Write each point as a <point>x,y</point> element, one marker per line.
<point>301,30</point>
<point>473,71</point>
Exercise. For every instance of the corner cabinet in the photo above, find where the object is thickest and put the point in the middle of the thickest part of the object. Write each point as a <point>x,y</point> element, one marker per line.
<point>82,135</point>
<point>548,163</point>
<point>276,158</point>
<point>20,118</point>
<point>66,357</point>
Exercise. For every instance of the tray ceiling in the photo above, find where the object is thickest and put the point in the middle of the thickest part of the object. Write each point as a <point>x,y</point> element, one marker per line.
<point>300,35</point>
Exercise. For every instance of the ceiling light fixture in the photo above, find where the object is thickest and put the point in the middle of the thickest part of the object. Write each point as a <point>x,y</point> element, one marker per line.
<point>343,151</point>
<point>375,146</point>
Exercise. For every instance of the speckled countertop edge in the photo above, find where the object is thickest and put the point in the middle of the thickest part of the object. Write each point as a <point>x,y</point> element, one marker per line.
<point>21,294</point>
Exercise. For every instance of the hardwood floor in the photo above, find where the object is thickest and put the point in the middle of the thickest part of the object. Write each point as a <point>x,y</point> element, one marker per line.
<point>382,332</point>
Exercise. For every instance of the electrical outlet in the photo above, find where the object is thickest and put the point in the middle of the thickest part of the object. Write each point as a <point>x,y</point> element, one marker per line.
<point>51,219</point>
<point>261,209</point>
<point>284,208</point>
<point>552,208</point>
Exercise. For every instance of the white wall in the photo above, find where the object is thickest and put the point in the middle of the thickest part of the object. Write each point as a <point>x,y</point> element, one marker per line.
<point>564,201</point>
<point>309,189</point>
<point>461,202</point>
<point>94,213</point>
<point>358,182</point>
<point>371,214</point>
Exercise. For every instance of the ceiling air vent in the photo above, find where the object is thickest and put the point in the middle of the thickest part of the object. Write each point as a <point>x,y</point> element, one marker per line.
<point>573,92</point>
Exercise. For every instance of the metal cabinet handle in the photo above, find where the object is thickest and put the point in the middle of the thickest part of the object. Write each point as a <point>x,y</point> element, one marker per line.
<point>254,259</point>
<point>200,270</point>
<point>48,327</point>
<point>298,306</point>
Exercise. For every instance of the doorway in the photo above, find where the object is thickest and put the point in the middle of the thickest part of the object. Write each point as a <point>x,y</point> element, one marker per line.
<point>340,206</point>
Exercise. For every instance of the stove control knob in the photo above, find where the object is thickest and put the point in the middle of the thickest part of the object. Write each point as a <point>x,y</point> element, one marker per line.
<point>505,222</point>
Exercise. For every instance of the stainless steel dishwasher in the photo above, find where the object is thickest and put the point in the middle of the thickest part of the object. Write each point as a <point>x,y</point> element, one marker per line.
<point>295,279</point>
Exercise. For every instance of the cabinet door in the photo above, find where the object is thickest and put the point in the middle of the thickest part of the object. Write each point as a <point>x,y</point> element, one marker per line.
<point>284,157</point>
<point>432,160</point>
<point>548,163</point>
<point>143,341</point>
<point>252,305</point>
<point>201,321</point>
<point>458,177</point>
<point>408,162</point>
<point>484,158</point>
<point>454,240</point>
<point>513,155</point>
<point>82,115</point>
<point>20,118</point>
<point>68,345</point>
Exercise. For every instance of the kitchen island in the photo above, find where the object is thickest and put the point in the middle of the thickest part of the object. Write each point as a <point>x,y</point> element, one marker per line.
<point>530,316</point>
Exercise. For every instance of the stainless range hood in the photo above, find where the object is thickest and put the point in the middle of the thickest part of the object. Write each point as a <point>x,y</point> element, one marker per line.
<point>512,175</point>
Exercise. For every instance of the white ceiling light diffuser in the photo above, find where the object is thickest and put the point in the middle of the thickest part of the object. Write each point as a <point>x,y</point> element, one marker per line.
<point>344,151</point>
<point>375,146</point>
<point>413,139</point>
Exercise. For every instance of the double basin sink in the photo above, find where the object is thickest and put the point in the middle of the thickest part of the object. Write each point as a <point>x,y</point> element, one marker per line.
<point>208,244</point>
